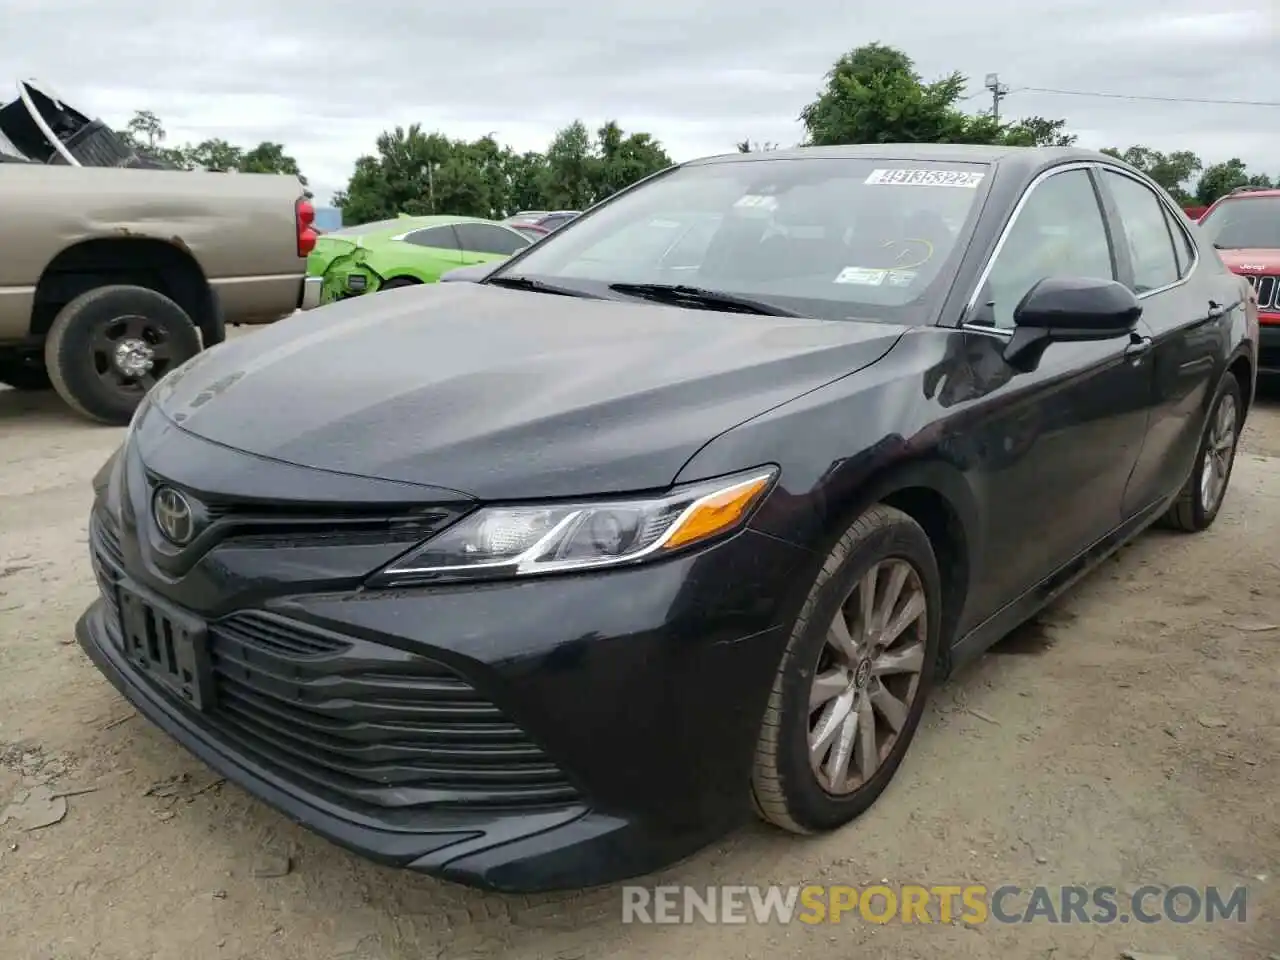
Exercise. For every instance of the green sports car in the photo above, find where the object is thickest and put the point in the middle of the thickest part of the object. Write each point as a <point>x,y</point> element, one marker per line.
<point>401,252</point>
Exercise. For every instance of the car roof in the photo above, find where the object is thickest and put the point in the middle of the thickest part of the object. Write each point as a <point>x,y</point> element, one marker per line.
<point>1250,194</point>
<point>1026,159</point>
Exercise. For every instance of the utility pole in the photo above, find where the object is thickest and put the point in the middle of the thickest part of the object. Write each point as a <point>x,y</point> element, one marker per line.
<point>998,92</point>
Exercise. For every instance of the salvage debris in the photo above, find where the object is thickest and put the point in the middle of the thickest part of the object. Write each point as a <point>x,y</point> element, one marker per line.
<point>1212,723</point>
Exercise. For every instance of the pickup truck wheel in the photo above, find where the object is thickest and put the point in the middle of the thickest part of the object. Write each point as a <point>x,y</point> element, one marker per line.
<point>109,346</point>
<point>22,374</point>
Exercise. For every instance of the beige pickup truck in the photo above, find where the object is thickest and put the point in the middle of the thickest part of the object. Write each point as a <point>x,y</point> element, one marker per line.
<point>111,276</point>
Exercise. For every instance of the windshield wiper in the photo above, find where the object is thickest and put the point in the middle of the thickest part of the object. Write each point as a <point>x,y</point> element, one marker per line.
<point>537,286</point>
<point>676,293</point>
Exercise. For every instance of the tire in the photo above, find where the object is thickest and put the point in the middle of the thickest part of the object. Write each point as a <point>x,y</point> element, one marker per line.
<point>87,335</point>
<point>1197,506</point>
<point>395,283</point>
<point>23,374</point>
<point>785,788</point>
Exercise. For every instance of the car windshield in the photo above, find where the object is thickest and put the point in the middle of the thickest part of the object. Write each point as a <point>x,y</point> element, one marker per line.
<point>1246,223</point>
<point>828,238</point>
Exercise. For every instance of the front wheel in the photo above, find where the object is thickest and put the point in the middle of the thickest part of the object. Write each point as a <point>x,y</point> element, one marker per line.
<point>1201,497</point>
<point>852,684</point>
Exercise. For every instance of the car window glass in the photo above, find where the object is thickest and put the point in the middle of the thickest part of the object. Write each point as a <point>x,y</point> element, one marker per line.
<point>1146,231</point>
<point>1182,247</point>
<point>1244,222</point>
<point>835,238</point>
<point>441,237</point>
<point>488,238</point>
<point>1059,232</point>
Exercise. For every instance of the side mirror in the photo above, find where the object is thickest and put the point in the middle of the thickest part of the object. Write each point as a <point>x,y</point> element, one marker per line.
<point>1071,309</point>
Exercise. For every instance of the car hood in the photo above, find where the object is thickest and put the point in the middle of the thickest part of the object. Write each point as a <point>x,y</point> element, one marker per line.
<point>1258,260</point>
<point>505,394</point>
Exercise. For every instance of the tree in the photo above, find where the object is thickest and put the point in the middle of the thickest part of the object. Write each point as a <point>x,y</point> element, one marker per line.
<point>145,133</point>
<point>1221,178</point>
<point>1039,132</point>
<point>874,95</point>
<point>216,155</point>
<point>417,173</point>
<point>146,129</point>
<point>755,146</point>
<point>269,157</point>
<point>1170,170</point>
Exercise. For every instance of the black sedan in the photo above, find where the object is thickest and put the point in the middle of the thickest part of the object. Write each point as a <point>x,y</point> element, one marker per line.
<point>544,580</point>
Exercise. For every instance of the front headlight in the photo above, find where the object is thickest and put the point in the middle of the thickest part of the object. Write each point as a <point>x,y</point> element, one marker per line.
<point>518,541</point>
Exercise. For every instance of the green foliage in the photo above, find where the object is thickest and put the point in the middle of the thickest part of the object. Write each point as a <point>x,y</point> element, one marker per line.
<point>874,95</point>
<point>1221,178</point>
<point>418,173</point>
<point>145,132</point>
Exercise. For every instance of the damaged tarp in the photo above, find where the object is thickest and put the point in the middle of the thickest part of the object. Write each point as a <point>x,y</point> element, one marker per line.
<point>40,127</point>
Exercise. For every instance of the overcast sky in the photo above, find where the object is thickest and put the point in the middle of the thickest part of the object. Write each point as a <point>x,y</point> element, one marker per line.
<point>325,77</point>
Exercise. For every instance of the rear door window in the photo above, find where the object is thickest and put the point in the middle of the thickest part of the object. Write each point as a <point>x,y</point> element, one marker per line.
<point>490,238</point>
<point>1155,263</point>
<point>442,238</point>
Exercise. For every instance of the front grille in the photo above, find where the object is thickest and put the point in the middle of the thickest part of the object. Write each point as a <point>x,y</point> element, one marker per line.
<point>375,725</point>
<point>107,560</point>
<point>1268,289</point>
<point>271,524</point>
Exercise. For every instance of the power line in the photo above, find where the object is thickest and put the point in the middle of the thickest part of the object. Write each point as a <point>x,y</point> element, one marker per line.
<point>1137,96</point>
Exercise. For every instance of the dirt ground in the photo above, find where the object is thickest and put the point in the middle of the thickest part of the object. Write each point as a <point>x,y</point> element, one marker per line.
<point>1130,737</point>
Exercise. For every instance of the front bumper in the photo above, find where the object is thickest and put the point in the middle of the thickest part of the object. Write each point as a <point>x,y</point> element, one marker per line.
<point>643,689</point>
<point>1269,344</point>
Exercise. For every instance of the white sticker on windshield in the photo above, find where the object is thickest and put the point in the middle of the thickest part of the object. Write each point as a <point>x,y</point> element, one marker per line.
<point>901,278</point>
<point>925,178</point>
<point>758,201</point>
<point>861,276</point>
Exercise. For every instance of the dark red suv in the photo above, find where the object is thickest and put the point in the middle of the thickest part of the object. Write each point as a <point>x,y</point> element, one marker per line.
<point>1245,228</point>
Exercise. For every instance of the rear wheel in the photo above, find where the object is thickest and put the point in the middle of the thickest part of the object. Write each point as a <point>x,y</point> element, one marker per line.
<point>852,684</point>
<point>109,346</point>
<point>1201,497</point>
<point>395,283</point>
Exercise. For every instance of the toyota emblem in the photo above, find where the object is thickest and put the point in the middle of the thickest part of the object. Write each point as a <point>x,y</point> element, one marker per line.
<point>173,515</point>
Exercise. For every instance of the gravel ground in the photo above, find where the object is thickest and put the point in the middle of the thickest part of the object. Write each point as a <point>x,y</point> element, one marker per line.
<point>1129,737</point>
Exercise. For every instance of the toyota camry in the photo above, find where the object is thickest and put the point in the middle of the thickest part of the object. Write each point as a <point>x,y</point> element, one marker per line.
<point>544,580</point>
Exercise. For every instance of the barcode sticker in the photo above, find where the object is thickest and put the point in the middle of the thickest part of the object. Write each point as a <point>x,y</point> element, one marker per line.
<point>862,276</point>
<point>925,178</point>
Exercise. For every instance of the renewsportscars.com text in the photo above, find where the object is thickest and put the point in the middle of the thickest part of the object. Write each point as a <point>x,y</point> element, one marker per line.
<point>971,904</point>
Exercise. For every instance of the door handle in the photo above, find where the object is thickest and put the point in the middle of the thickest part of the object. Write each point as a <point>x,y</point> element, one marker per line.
<point>1138,348</point>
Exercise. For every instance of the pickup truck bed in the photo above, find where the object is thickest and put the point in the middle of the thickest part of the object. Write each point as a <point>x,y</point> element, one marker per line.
<point>111,276</point>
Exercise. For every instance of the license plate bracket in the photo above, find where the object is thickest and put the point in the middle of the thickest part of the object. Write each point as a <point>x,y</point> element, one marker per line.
<point>170,647</point>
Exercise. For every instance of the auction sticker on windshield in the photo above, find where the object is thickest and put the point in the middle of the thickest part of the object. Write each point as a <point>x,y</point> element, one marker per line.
<point>862,276</point>
<point>925,178</point>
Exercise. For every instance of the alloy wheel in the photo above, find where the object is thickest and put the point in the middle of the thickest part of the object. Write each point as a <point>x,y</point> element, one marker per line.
<point>1219,451</point>
<point>867,675</point>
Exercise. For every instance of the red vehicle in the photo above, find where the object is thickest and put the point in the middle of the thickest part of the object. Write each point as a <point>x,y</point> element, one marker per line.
<point>1244,226</point>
